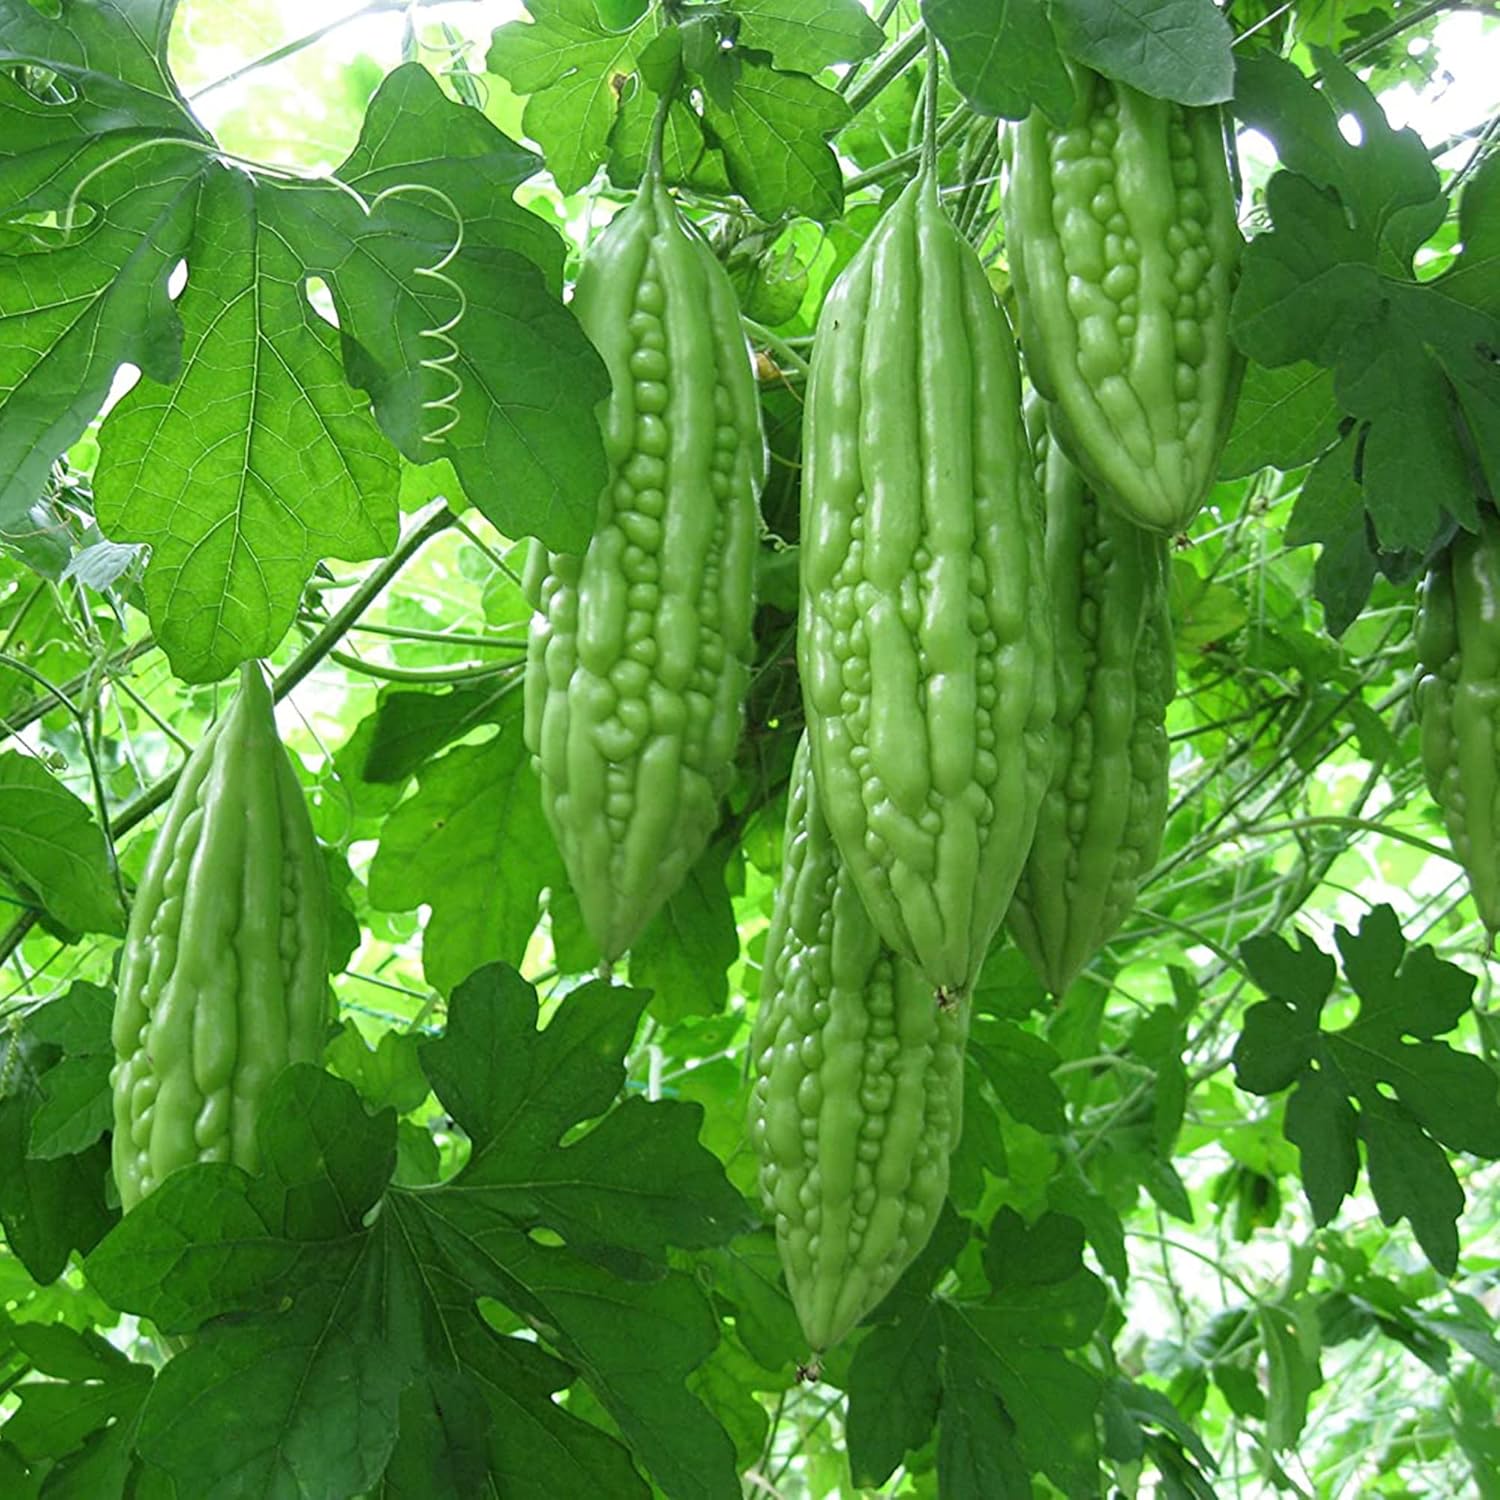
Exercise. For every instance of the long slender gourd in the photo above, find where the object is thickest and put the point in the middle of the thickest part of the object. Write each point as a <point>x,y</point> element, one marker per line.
<point>1458,695</point>
<point>638,661</point>
<point>925,640</point>
<point>1101,821</point>
<point>858,1093</point>
<point>1122,239</point>
<point>224,975</point>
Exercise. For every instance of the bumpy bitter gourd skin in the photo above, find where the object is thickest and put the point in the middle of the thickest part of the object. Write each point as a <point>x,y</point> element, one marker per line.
<point>224,975</point>
<point>1121,234</point>
<point>925,641</point>
<point>639,651</point>
<point>1458,648</point>
<point>1101,821</point>
<point>858,1092</point>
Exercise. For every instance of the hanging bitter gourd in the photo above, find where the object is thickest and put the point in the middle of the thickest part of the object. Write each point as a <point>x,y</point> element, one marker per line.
<point>858,1093</point>
<point>1458,695</point>
<point>224,974</point>
<point>1101,821</point>
<point>638,661</point>
<point>925,640</point>
<point>1120,229</point>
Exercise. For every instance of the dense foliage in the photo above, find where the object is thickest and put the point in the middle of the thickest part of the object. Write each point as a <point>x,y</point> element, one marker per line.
<point>289,370</point>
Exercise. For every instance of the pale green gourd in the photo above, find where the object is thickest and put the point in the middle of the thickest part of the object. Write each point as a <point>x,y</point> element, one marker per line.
<point>858,1093</point>
<point>925,634</point>
<point>639,653</point>
<point>1101,821</point>
<point>224,974</point>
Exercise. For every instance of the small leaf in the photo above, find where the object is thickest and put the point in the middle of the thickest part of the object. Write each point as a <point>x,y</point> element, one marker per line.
<point>51,845</point>
<point>1170,49</point>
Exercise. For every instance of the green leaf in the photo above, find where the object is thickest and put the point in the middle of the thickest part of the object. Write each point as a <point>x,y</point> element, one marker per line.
<point>1289,1334</point>
<point>410,728</point>
<point>1330,509</point>
<point>386,1075</point>
<point>47,1207</point>
<point>1472,1415</point>
<point>1170,49</point>
<point>51,847</point>
<point>1003,59</point>
<point>806,37</point>
<point>1385,1078</point>
<point>773,134</point>
<point>1160,1178</point>
<point>472,841</point>
<point>56,1417</point>
<point>444,256</point>
<point>1274,1047</point>
<point>78,305</point>
<point>1474,276</point>
<point>1147,1407</point>
<point>244,453</point>
<point>568,62</point>
<point>1050,1399</point>
<point>1321,1123</point>
<point>684,954</point>
<point>748,1275</point>
<point>1071,1194</point>
<point>637,1180</point>
<point>339,1308</point>
<point>14,1477</point>
<point>1301,977</point>
<point>77,1109</point>
<point>79,1020</point>
<point>1411,1178</point>
<point>977,1455</point>
<point>1284,418</point>
<point>687,158</point>
<point>1333,284</point>
<point>440,1452</point>
<point>1019,1068</point>
<point>255,461</point>
<point>895,1388</point>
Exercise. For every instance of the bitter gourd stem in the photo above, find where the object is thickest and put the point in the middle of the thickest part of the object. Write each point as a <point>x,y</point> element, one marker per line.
<point>886,69</point>
<point>930,108</point>
<point>894,166</point>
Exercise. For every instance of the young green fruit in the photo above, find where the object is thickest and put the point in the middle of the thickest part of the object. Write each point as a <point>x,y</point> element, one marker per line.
<point>639,653</point>
<point>224,975</point>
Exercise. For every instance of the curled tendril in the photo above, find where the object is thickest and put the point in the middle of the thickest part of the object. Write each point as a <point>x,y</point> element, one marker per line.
<point>441,365</point>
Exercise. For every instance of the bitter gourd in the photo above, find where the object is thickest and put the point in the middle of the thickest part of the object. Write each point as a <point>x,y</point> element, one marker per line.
<point>858,1093</point>
<point>1101,821</point>
<point>224,974</point>
<point>1458,648</point>
<point>1121,234</point>
<point>638,659</point>
<point>925,640</point>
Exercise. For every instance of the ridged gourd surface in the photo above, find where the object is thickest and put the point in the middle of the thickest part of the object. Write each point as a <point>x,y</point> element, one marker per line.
<point>223,979</point>
<point>638,657</point>
<point>1123,242</point>
<point>1100,826</point>
<point>1458,649</point>
<point>925,644</point>
<point>858,1092</point>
